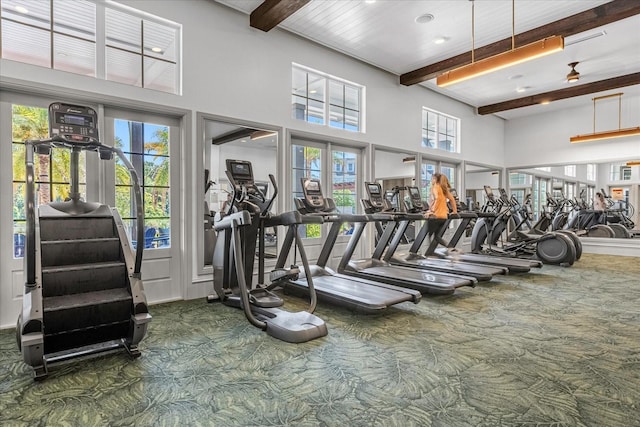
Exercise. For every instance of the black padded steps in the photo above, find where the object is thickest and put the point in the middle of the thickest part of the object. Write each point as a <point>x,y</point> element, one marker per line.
<point>78,278</point>
<point>73,228</point>
<point>86,310</point>
<point>68,252</point>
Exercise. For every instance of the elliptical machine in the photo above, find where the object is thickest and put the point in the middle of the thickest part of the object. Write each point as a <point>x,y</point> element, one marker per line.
<point>235,252</point>
<point>83,292</point>
<point>550,248</point>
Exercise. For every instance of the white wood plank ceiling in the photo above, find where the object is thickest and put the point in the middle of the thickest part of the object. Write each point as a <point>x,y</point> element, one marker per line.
<point>384,33</point>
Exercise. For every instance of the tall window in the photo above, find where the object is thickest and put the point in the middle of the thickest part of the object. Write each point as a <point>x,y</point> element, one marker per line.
<point>139,49</point>
<point>519,178</point>
<point>307,163</point>
<point>310,91</point>
<point>343,183</point>
<point>52,172</point>
<point>426,173</point>
<point>450,172</point>
<point>591,172</point>
<point>570,170</point>
<point>439,131</point>
<point>147,147</point>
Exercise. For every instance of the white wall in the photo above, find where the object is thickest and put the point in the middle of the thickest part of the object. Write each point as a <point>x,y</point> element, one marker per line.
<point>232,71</point>
<point>390,165</point>
<point>543,139</point>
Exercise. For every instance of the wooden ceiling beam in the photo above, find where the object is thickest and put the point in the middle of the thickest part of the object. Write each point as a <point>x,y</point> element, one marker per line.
<point>578,23</point>
<point>570,92</point>
<point>272,12</point>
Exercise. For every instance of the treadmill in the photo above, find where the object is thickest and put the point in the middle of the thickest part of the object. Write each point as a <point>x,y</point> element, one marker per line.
<point>428,261</point>
<point>360,295</point>
<point>427,282</point>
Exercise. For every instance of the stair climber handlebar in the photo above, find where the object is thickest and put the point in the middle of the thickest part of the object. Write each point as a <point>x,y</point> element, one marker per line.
<point>77,136</point>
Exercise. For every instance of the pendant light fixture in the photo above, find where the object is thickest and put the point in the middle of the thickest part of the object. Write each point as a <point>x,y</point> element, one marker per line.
<point>619,133</point>
<point>573,75</point>
<point>506,59</point>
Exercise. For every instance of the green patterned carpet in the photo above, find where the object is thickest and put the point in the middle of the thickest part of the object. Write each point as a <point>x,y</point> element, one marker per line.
<point>557,347</point>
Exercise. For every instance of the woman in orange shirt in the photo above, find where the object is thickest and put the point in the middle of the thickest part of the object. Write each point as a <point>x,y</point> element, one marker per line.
<point>439,195</point>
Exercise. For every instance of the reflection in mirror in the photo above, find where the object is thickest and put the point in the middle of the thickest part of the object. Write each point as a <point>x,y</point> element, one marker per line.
<point>231,141</point>
<point>577,185</point>
<point>395,169</point>
<point>475,178</point>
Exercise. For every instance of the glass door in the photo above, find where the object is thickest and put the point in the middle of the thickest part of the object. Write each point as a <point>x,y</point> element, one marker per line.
<point>151,143</point>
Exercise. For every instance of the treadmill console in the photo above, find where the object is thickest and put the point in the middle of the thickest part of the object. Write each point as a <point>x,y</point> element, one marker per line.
<point>312,190</point>
<point>73,122</point>
<point>374,190</point>
<point>416,198</point>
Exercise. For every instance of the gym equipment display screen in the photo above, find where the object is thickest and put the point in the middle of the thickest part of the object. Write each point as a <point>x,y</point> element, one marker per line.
<point>75,120</point>
<point>374,190</point>
<point>414,192</point>
<point>312,187</point>
<point>241,170</point>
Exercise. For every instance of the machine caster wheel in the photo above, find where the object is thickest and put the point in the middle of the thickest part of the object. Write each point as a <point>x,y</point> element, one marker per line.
<point>212,298</point>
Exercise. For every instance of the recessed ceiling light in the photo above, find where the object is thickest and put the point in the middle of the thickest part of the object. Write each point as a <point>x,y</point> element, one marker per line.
<point>370,1</point>
<point>243,140</point>
<point>313,91</point>
<point>423,19</point>
<point>440,40</point>
<point>523,89</point>
<point>515,76</point>
<point>156,49</point>
<point>22,9</point>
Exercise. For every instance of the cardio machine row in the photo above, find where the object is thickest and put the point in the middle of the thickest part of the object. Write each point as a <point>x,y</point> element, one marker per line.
<point>367,285</point>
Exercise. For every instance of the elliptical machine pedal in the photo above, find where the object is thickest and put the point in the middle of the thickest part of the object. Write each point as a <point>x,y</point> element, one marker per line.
<point>284,274</point>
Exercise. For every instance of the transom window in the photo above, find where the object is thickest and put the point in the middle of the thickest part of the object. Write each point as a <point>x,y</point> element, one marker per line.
<point>440,131</point>
<point>319,98</point>
<point>570,170</point>
<point>591,172</point>
<point>139,49</point>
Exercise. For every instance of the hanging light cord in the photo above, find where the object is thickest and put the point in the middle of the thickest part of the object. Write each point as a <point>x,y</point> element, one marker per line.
<point>513,24</point>
<point>473,31</point>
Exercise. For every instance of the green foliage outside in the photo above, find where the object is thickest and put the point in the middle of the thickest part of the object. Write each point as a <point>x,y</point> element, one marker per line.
<point>155,176</point>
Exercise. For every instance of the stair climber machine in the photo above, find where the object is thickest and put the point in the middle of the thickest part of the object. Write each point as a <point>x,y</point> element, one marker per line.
<point>448,249</point>
<point>83,291</point>
<point>486,237</point>
<point>376,269</point>
<point>429,261</point>
<point>235,252</point>
<point>360,295</point>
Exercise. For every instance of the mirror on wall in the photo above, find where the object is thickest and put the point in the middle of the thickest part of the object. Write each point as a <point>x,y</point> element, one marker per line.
<point>395,169</point>
<point>476,176</point>
<point>579,183</point>
<point>222,141</point>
